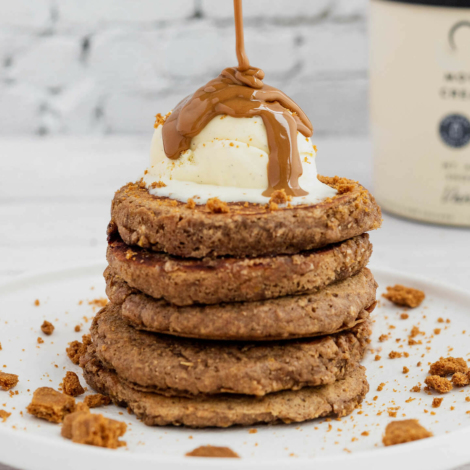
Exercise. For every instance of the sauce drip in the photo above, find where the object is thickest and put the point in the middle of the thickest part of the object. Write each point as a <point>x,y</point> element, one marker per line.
<point>240,92</point>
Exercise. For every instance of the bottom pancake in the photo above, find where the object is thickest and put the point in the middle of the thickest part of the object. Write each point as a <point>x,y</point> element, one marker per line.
<point>337,399</point>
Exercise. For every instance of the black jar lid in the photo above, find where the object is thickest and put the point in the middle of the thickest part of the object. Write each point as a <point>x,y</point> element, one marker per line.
<point>437,3</point>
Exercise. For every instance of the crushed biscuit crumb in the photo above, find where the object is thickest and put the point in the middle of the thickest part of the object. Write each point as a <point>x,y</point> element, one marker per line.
<point>4,415</point>
<point>97,400</point>
<point>213,451</point>
<point>440,384</point>
<point>76,349</point>
<point>460,380</point>
<point>436,403</point>
<point>191,204</point>
<point>83,427</point>
<point>47,328</point>
<point>404,296</point>
<point>8,381</point>
<point>71,385</point>
<point>157,184</point>
<point>50,405</point>
<point>448,366</point>
<point>395,355</point>
<point>216,206</point>
<point>399,432</point>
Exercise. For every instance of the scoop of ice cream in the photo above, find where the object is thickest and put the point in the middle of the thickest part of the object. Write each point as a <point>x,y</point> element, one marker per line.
<point>228,159</point>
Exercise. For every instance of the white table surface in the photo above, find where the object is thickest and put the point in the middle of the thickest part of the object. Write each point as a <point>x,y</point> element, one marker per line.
<point>55,197</point>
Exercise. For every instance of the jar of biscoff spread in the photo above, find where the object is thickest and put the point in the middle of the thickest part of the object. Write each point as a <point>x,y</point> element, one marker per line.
<point>420,108</point>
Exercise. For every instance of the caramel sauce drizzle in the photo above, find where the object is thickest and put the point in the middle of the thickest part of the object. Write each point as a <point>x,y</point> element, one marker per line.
<point>240,92</point>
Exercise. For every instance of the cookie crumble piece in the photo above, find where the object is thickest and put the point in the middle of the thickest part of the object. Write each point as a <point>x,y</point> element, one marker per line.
<point>436,403</point>
<point>76,349</point>
<point>407,430</point>
<point>395,355</point>
<point>83,427</point>
<point>448,366</point>
<point>71,385</point>
<point>47,328</point>
<point>8,381</point>
<point>216,206</point>
<point>4,415</point>
<point>160,120</point>
<point>460,380</point>
<point>213,451</point>
<point>190,204</point>
<point>157,184</point>
<point>440,384</point>
<point>50,405</point>
<point>404,296</point>
<point>280,197</point>
<point>97,400</point>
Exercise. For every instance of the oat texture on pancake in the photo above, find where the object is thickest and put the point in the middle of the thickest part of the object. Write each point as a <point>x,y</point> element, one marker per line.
<point>237,276</point>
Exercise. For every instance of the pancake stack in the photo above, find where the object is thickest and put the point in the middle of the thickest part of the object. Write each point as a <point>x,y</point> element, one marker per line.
<point>235,314</point>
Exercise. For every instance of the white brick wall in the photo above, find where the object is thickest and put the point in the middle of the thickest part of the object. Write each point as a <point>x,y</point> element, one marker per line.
<point>108,66</point>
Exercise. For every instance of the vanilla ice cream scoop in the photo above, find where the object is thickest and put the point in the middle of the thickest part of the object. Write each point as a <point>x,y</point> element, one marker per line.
<point>228,159</point>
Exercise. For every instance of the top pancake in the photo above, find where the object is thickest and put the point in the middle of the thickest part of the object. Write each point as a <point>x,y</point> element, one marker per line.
<point>170,226</point>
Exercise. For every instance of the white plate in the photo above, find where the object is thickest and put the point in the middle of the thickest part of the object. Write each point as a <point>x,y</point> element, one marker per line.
<point>32,444</point>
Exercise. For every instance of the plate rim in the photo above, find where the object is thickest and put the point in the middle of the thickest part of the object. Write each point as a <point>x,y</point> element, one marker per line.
<point>445,451</point>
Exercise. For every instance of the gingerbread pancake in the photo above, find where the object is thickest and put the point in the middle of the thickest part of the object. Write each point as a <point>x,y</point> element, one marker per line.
<point>336,307</point>
<point>175,366</point>
<point>183,281</point>
<point>237,229</point>
<point>337,399</point>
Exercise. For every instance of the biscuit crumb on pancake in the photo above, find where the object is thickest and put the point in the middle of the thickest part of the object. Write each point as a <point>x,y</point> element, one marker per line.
<point>216,206</point>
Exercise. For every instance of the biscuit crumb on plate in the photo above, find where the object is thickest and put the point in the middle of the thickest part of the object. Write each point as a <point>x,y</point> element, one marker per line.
<point>8,381</point>
<point>83,427</point>
<point>460,380</point>
<point>212,451</point>
<point>50,405</point>
<point>448,366</point>
<point>407,430</point>
<point>94,401</point>
<point>71,385</point>
<point>4,415</point>
<point>47,328</point>
<point>440,384</point>
<point>404,296</point>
